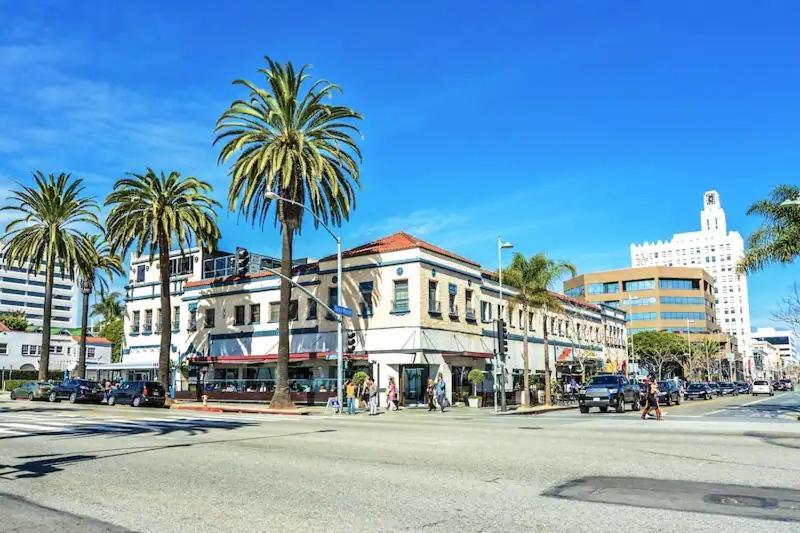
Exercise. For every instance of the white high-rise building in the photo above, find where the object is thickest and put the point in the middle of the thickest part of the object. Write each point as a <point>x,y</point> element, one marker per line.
<point>21,290</point>
<point>715,249</point>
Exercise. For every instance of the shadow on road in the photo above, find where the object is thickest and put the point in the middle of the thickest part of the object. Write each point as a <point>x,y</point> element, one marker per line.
<point>36,466</point>
<point>776,439</point>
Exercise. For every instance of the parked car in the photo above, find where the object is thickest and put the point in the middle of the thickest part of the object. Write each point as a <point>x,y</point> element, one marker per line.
<point>76,390</point>
<point>138,393</point>
<point>788,383</point>
<point>697,391</point>
<point>609,390</point>
<point>728,388</point>
<point>742,387</point>
<point>668,392</point>
<point>762,386</point>
<point>32,390</point>
<point>715,388</point>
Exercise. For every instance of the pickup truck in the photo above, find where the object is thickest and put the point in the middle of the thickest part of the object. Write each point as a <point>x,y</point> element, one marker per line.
<point>609,390</point>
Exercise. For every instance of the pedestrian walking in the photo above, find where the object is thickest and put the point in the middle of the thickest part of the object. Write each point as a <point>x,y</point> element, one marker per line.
<point>429,395</point>
<point>372,390</point>
<point>391,393</point>
<point>350,391</point>
<point>652,401</point>
<point>441,392</point>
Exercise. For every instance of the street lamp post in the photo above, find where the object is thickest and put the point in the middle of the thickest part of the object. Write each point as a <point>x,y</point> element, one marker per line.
<point>339,367</point>
<point>500,247</point>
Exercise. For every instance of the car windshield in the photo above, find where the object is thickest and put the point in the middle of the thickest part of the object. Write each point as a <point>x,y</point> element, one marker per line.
<point>664,384</point>
<point>726,385</point>
<point>760,383</point>
<point>696,386</point>
<point>87,383</point>
<point>604,380</point>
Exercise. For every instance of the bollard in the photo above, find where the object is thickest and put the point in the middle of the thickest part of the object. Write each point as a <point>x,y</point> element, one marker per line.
<point>205,400</point>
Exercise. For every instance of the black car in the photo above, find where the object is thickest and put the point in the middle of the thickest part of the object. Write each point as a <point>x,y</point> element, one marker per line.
<point>788,383</point>
<point>715,388</point>
<point>697,391</point>
<point>668,392</point>
<point>76,390</point>
<point>778,385</point>
<point>138,393</point>
<point>783,384</point>
<point>728,388</point>
<point>742,387</point>
<point>609,390</point>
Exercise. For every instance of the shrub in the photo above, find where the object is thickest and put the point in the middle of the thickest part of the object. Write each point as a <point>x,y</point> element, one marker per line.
<point>33,375</point>
<point>15,320</point>
<point>476,377</point>
<point>360,377</point>
<point>14,383</point>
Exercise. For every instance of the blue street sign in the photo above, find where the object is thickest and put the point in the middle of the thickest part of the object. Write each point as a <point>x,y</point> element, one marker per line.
<point>341,310</point>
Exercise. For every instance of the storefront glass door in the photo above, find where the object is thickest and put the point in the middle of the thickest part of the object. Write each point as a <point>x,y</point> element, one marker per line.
<point>415,379</point>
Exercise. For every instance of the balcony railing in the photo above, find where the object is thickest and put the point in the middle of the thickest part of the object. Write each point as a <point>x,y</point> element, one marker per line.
<point>192,325</point>
<point>400,306</point>
<point>176,325</point>
<point>454,310</point>
<point>471,313</point>
<point>434,307</point>
<point>147,329</point>
<point>135,329</point>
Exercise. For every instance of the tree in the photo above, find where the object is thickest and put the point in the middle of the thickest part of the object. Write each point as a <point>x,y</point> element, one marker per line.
<point>777,240</point>
<point>97,264</point>
<point>285,141</point>
<point>15,320</point>
<point>49,231</point>
<point>153,211</point>
<point>114,332</point>
<point>109,307</point>
<point>534,278</point>
<point>709,348</point>
<point>657,348</point>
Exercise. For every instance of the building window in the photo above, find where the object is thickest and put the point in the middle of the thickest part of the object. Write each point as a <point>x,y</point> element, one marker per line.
<point>400,302</point>
<point>139,273</point>
<point>176,318</point>
<point>312,309</point>
<point>210,318</point>
<point>333,293</point>
<point>293,310</point>
<point>638,285</point>
<point>274,311</point>
<point>255,313</point>
<point>180,265</point>
<point>148,321</point>
<point>604,288</point>
<point>135,324</point>
<point>238,315</point>
<point>486,312</point>
<point>157,325</point>
<point>632,302</point>
<point>3,349</point>
<point>434,306</point>
<point>681,315</point>
<point>469,310</point>
<point>575,292</point>
<point>24,349</point>
<point>679,283</point>
<point>365,288</point>
<point>452,290</point>
<point>90,353</point>
<point>192,320</point>
<point>641,316</point>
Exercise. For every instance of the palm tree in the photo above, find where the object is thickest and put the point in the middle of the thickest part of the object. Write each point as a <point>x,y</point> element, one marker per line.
<point>710,348</point>
<point>96,265</point>
<point>154,211</point>
<point>284,140</point>
<point>46,232</point>
<point>778,239</point>
<point>534,279</point>
<point>109,307</point>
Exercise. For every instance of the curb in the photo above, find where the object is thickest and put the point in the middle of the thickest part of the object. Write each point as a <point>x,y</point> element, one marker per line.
<point>250,410</point>
<point>520,412</point>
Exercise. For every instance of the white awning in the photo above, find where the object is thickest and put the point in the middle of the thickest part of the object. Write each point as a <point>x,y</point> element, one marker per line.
<point>122,366</point>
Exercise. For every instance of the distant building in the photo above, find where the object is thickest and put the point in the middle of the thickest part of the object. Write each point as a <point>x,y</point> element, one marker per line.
<point>658,298</point>
<point>717,251</point>
<point>21,290</point>
<point>784,340</point>
<point>21,350</point>
<point>764,361</point>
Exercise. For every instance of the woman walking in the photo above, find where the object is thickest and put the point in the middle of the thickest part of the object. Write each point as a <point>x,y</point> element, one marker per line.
<point>391,394</point>
<point>429,395</point>
<point>372,391</point>
<point>441,392</point>
<point>652,400</point>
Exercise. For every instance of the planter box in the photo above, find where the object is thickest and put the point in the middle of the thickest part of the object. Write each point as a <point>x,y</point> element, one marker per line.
<point>475,401</point>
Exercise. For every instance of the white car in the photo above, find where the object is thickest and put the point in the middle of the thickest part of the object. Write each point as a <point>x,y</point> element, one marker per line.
<point>762,386</point>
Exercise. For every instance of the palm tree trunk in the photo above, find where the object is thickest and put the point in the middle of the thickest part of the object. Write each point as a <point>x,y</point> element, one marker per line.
<point>44,357</point>
<point>526,378</point>
<point>166,315</point>
<point>80,371</point>
<point>281,398</point>
<point>548,392</point>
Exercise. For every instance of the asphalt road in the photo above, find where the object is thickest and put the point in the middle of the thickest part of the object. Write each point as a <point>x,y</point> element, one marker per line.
<point>726,464</point>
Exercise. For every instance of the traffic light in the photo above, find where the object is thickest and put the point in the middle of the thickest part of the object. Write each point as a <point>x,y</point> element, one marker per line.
<point>502,337</point>
<point>350,341</point>
<point>242,261</point>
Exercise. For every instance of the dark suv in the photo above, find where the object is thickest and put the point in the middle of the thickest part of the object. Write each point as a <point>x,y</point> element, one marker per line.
<point>668,392</point>
<point>138,393</point>
<point>76,390</point>
<point>609,390</point>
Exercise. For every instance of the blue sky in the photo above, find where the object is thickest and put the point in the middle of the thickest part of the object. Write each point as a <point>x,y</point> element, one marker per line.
<point>574,128</point>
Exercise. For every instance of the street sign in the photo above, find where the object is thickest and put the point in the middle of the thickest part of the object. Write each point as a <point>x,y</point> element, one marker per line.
<point>341,310</point>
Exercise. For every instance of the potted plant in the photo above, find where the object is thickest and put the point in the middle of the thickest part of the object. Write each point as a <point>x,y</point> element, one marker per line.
<point>476,377</point>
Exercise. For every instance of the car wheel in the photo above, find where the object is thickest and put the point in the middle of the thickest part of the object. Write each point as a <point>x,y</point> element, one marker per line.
<point>669,400</point>
<point>52,397</point>
<point>584,409</point>
<point>30,396</point>
<point>137,401</point>
<point>73,397</point>
<point>620,407</point>
<point>772,394</point>
<point>678,399</point>
<point>13,396</point>
<point>604,409</point>
<point>111,400</point>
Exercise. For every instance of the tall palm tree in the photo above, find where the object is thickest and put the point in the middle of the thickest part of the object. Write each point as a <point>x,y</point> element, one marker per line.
<point>109,307</point>
<point>96,265</point>
<point>154,211</point>
<point>777,240</point>
<point>709,348</point>
<point>47,231</point>
<point>534,279</point>
<point>283,139</point>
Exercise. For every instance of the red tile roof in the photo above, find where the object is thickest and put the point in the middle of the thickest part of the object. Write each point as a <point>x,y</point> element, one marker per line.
<point>397,242</point>
<point>92,340</point>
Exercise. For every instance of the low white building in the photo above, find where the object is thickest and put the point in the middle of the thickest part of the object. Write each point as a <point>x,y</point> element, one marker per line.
<point>784,340</point>
<point>21,350</point>
<point>418,310</point>
<point>765,361</point>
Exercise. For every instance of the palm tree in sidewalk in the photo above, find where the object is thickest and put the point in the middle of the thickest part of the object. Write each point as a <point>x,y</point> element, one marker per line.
<point>97,264</point>
<point>47,230</point>
<point>284,140</point>
<point>155,211</point>
<point>534,279</point>
<point>777,240</point>
<point>109,307</point>
<point>709,348</point>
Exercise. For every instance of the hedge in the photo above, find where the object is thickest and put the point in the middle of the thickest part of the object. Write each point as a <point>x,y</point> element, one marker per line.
<point>14,383</point>
<point>33,375</point>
